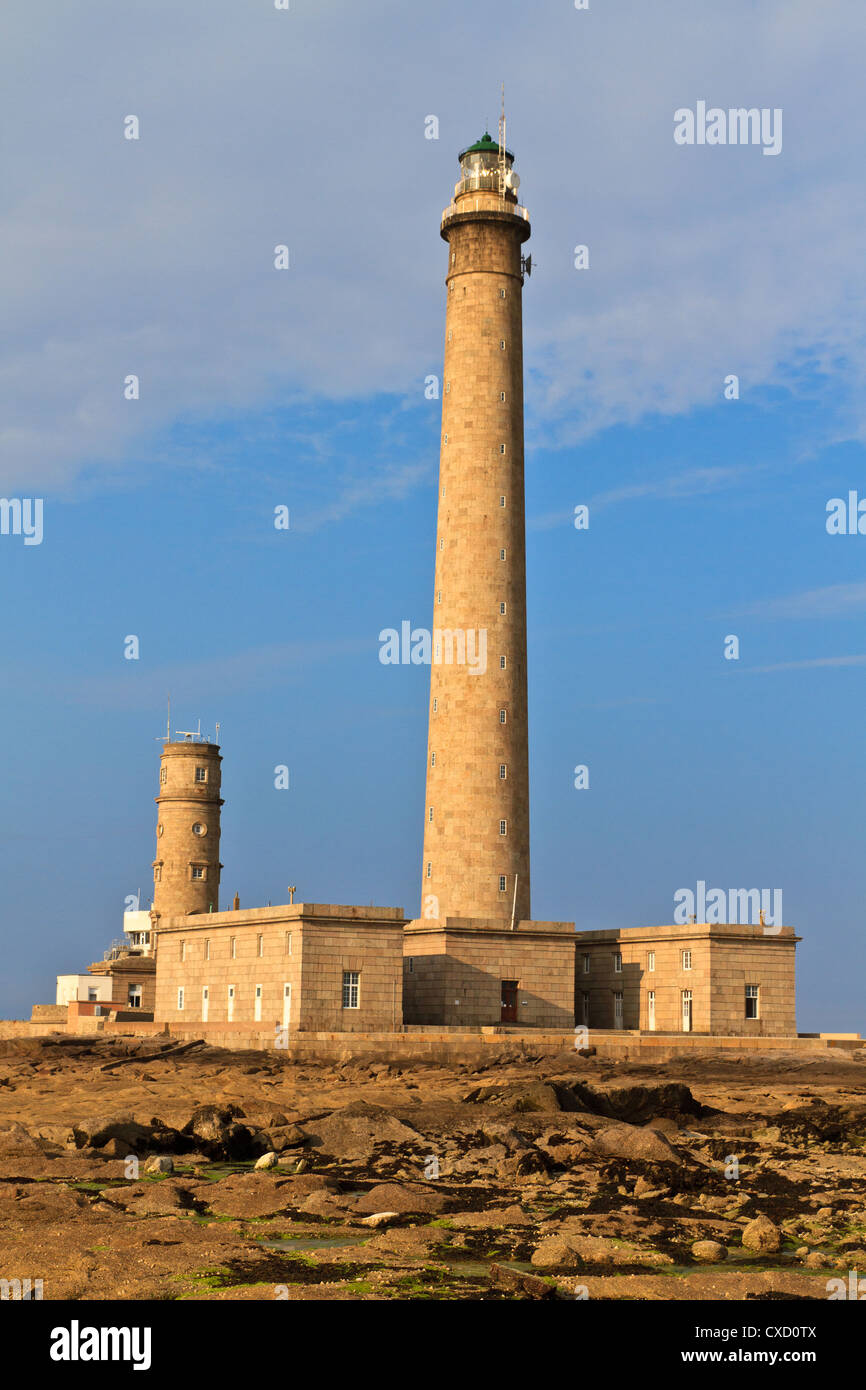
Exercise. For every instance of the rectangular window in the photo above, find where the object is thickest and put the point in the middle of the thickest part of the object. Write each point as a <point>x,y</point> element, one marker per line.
<point>502,501</point>
<point>502,608</point>
<point>180,998</point>
<point>163,775</point>
<point>431,813</point>
<point>502,772</point>
<point>503,883</point>
<point>260,946</point>
<point>435,704</point>
<point>157,873</point>
<point>650,960</point>
<point>751,1001</point>
<point>207,949</point>
<point>134,996</point>
<point>687,960</point>
<point>411,960</point>
<point>288,943</point>
<point>502,448</point>
<point>502,554</point>
<point>502,716</point>
<point>502,344</point>
<point>502,395</point>
<point>182,950</point>
<point>92,995</point>
<point>502,663</point>
<point>617,962</point>
<point>198,871</point>
<point>233,945</point>
<point>432,759</point>
<point>586,962</point>
<point>351,989</point>
<point>503,827</point>
<point>201,774</point>
<point>429,869</point>
<point>501,294</point>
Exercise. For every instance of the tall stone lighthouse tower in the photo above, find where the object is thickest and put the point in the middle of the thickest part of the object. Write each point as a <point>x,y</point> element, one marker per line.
<point>476,823</point>
<point>186,870</point>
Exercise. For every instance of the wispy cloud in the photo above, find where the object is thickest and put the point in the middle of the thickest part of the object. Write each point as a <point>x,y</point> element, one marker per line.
<point>694,482</point>
<point>806,665</point>
<point>834,601</point>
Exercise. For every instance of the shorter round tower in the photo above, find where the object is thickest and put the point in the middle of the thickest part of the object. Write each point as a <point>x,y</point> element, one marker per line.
<point>186,870</point>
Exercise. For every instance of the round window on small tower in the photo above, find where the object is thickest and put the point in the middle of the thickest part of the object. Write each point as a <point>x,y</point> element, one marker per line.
<point>160,829</point>
<point>199,829</point>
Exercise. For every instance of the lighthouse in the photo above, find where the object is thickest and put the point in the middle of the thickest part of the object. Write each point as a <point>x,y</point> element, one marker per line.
<point>476,815</point>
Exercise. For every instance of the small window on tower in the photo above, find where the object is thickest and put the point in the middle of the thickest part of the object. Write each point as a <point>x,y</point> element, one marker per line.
<point>432,759</point>
<point>447,387</point>
<point>502,716</point>
<point>157,873</point>
<point>435,703</point>
<point>260,945</point>
<point>502,501</point>
<point>442,545</point>
<point>502,395</point>
<point>502,344</point>
<point>501,294</point>
<point>198,872</point>
<point>180,999</point>
<point>503,827</point>
<point>439,596</point>
<point>502,448</point>
<point>199,829</point>
<point>163,774</point>
<point>502,554</point>
<point>453,257</point>
<point>411,960</point>
<point>183,950</point>
<point>431,813</point>
<point>429,869</point>
<point>502,663</point>
<point>502,608</point>
<point>201,774</point>
<point>445,439</point>
<point>503,883</point>
<point>503,772</point>
<point>450,334</point>
<point>233,948</point>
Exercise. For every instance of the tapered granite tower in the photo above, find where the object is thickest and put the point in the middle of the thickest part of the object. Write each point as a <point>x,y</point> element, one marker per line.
<point>476,840</point>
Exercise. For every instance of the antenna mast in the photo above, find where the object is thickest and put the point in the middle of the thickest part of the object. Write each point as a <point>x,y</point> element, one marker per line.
<point>502,146</point>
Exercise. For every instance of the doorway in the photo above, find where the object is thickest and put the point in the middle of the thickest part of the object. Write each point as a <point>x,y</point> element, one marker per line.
<point>617,1009</point>
<point>509,1001</point>
<point>687,1011</point>
<point>651,1010</point>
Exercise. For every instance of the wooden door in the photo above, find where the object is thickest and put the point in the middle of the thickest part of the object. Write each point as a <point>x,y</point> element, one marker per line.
<point>509,1001</point>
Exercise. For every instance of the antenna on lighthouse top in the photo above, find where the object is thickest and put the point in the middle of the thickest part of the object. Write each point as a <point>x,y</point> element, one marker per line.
<point>502,146</point>
<point>168,720</point>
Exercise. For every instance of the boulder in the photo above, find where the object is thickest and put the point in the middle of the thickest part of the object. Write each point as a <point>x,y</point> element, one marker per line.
<point>402,1198</point>
<point>267,1160</point>
<point>762,1236</point>
<point>160,1164</point>
<point>709,1252</point>
<point>643,1145</point>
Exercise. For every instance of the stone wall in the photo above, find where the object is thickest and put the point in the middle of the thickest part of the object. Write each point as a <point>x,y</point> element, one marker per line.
<point>453,974</point>
<point>294,957</point>
<point>724,958</point>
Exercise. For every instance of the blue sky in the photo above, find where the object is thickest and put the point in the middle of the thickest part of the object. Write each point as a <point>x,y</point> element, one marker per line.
<point>306,388</point>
